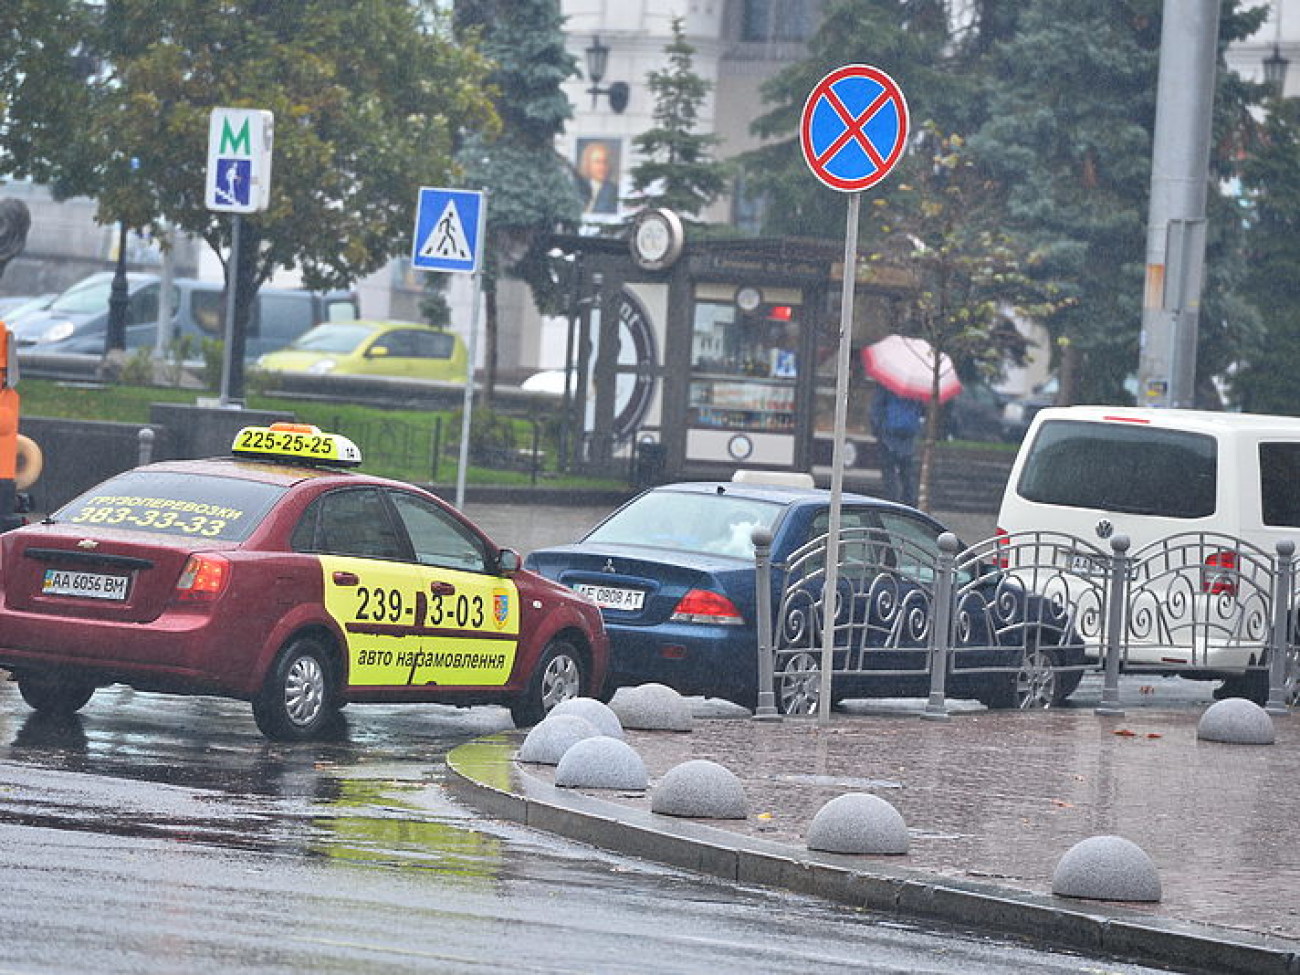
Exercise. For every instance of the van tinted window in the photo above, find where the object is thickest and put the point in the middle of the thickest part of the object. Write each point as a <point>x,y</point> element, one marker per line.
<point>1279,483</point>
<point>1136,469</point>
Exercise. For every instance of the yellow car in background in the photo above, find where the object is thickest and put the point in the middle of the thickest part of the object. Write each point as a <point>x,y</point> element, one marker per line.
<point>373,348</point>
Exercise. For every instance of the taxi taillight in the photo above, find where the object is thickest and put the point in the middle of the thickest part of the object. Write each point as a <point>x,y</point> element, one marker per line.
<point>203,578</point>
<point>702,606</point>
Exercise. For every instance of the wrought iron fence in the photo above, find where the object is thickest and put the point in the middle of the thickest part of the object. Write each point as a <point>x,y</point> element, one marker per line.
<point>1016,620</point>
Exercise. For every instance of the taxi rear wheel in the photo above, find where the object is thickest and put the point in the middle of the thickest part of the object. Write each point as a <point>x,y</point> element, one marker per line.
<point>560,675</point>
<point>295,703</point>
<point>54,695</point>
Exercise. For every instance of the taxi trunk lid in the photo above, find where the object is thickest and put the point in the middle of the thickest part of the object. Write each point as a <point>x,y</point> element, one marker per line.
<point>109,578</point>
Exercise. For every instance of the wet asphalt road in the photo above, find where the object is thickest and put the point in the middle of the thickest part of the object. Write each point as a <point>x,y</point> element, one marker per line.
<point>162,834</point>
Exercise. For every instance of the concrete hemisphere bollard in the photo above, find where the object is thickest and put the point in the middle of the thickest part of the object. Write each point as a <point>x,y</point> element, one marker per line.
<point>652,707</point>
<point>597,712</point>
<point>858,822</point>
<point>1107,868</point>
<point>700,789</point>
<point>554,735</point>
<point>1237,721</point>
<point>602,763</point>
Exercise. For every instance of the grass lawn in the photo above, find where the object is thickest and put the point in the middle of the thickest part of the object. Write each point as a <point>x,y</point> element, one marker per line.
<point>401,442</point>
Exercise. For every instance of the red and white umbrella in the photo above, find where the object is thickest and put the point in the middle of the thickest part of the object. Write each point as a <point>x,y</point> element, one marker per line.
<point>905,367</point>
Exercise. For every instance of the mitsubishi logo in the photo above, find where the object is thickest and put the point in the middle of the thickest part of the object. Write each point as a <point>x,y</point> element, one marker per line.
<point>609,567</point>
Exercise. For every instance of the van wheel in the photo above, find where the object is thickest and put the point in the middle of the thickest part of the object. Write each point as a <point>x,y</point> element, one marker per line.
<point>296,700</point>
<point>54,695</point>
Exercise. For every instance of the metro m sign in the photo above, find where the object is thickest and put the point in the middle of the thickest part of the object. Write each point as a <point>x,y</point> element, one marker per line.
<point>239,160</point>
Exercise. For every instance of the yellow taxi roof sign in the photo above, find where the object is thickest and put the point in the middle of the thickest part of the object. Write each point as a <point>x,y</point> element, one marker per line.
<point>296,442</point>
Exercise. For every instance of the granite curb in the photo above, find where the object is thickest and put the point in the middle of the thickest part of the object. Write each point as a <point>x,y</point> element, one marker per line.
<point>485,774</point>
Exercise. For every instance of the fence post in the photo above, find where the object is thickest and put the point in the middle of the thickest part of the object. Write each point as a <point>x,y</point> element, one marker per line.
<point>936,708</point>
<point>762,539</point>
<point>1279,651</point>
<point>437,446</point>
<point>144,446</point>
<point>1115,616</point>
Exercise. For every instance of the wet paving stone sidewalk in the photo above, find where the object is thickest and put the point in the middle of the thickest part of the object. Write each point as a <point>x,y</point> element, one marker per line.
<point>999,797</point>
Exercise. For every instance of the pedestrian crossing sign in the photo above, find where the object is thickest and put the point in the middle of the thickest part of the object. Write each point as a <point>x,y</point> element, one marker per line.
<point>448,231</point>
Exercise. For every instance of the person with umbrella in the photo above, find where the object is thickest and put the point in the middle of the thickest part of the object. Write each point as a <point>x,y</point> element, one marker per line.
<point>895,421</point>
<point>909,376</point>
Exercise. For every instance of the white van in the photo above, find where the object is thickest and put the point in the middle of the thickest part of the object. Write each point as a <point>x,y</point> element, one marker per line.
<point>1097,472</point>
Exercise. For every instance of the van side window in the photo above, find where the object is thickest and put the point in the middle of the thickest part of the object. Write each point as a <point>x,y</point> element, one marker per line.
<point>1279,473</point>
<point>205,309</point>
<point>142,308</point>
<point>1117,467</point>
<point>283,319</point>
<point>341,310</point>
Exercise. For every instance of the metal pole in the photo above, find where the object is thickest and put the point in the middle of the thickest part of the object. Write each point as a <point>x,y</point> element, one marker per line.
<point>762,539</point>
<point>936,708</point>
<point>1114,626</point>
<point>232,289</point>
<point>830,593</point>
<point>1180,153</point>
<point>144,446</point>
<point>163,337</point>
<point>1280,650</point>
<point>468,408</point>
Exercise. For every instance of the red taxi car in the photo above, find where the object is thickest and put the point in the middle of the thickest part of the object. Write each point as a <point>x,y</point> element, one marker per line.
<point>274,577</point>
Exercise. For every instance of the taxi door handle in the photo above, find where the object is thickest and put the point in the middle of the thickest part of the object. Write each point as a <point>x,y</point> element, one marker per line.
<point>346,579</point>
<point>441,588</point>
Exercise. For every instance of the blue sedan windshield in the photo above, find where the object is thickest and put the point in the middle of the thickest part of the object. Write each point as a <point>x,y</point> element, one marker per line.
<point>713,524</point>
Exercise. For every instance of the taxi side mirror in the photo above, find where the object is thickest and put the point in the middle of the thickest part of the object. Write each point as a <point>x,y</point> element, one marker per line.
<point>508,561</point>
<point>377,352</point>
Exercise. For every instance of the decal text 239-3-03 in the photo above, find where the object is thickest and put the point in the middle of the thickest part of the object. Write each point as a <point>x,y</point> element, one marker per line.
<point>415,625</point>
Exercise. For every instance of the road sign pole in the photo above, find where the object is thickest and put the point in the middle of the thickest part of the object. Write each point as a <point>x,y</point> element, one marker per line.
<point>228,330</point>
<point>847,289</point>
<point>467,411</point>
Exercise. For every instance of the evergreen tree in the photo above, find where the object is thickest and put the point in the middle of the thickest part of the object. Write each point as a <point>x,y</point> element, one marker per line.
<point>1069,133</point>
<point>676,169</point>
<point>1266,379</point>
<point>931,50</point>
<point>531,188</point>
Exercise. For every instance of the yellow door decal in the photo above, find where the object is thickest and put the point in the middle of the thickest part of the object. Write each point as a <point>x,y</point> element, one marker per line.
<point>417,625</point>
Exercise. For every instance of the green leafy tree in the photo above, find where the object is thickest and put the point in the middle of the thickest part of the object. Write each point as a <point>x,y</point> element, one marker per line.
<point>676,168</point>
<point>531,187</point>
<point>943,227</point>
<point>368,101</point>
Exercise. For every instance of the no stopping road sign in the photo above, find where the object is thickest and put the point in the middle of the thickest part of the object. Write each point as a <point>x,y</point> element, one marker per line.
<point>854,127</point>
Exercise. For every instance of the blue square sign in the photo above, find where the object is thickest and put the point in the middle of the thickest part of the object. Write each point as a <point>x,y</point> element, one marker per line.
<point>448,230</point>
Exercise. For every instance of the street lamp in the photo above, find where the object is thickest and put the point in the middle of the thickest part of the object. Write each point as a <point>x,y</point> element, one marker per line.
<point>118,299</point>
<point>597,62</point>
<point>1275,65</point>
<point>1275,71</point>
<point>117,296</point>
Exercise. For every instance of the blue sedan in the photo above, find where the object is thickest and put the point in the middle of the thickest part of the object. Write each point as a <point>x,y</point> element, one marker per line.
<point>673,573</point>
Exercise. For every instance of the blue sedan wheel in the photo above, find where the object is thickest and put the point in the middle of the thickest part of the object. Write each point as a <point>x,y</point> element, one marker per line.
<point>799,684</point>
